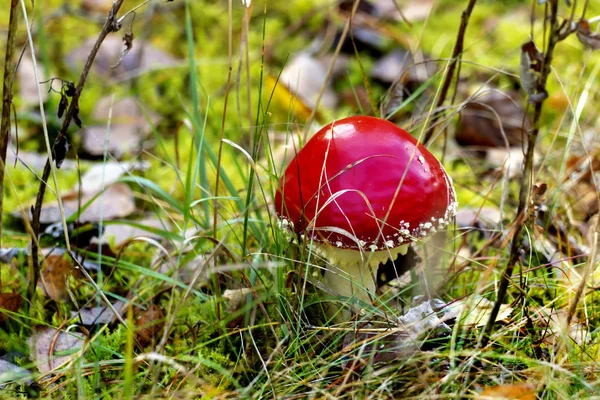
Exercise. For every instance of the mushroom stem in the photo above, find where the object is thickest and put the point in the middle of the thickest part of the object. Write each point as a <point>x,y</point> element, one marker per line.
<point>353,280</point>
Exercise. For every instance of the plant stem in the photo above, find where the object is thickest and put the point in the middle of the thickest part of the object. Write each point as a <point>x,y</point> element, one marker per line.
<point>110,25</point>
<point>9,70</point>
<point>527,176</point>
<point>456,55</point>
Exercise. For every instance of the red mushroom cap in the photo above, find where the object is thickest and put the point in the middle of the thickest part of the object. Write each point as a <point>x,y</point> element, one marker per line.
<point>364,183</point>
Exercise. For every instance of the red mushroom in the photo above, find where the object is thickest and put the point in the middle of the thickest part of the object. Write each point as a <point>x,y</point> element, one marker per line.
<point>361,190</point>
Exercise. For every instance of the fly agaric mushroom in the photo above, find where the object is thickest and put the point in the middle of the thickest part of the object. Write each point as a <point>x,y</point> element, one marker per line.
<point>362,190</point>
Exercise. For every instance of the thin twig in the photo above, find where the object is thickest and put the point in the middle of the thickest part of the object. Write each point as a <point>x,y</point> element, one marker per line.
<point>7,96</point>
<point>456,55</point>
<point>554,36</point>
<point>111,25</point>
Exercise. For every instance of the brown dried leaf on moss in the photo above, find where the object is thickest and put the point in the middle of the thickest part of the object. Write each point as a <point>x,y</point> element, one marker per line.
<point>11,302</point>
<point>55,276</point>
<point>149,324</point>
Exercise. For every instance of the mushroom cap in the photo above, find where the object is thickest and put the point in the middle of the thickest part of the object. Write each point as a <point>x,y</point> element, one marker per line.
<point>363,183</point>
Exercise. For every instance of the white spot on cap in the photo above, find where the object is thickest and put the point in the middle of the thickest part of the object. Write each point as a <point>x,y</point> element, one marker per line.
<point>422,160</point>
<point>338,243</point>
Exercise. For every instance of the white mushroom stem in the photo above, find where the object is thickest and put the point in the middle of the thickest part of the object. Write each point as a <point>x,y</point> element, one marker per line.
<point>357,271</point>
<point>354,280</point>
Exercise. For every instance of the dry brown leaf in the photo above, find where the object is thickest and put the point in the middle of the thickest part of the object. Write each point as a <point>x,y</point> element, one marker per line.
<point>149,324</point>
<point>55,275</point>
<point>530,67</point>
<point>523,391</point>
<point>10,302</point>
<point>584,200</point>
<point>99,6</point>
<point>586,36</point>
<point>47,343</point>
<point>492,119</point>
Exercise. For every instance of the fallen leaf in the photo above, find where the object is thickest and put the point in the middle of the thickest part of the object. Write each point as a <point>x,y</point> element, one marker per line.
<point>129,125</point>
<point>530,67</point>
<point>50,348</point>
<point>507,162</point>
<point>186,271</point>
<point>523,391</point>
<point>304,76</point>
<point>485,220</point>
<point>121,233</point>
<point>492,119</point>
<point>475,311</point>
<point>103,175</point>
<point>422,318</point>
<point>115,202</point>
<point>143,57</point>
<point>11,302</point>
<point>413,11</point>
<point>586,36</point>
<point>12,373</point>
<point>99,315</point>
<point>149,324</point>
<point>28,93</point>
<point>584,200</point>
<point>35,161</point>
<point>392,66</point>
<point>99,6</point>
<point>55,275</point>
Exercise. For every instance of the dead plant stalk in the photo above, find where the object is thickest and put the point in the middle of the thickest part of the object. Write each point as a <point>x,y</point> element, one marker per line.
<point>9,73</point>
<point>454,62</point>
<point>555,35</point>
<point>110,25</point>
